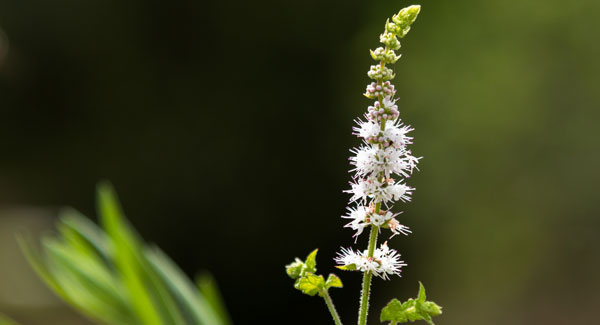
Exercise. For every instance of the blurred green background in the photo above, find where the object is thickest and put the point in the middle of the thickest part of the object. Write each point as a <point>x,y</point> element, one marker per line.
<point>225,128</point>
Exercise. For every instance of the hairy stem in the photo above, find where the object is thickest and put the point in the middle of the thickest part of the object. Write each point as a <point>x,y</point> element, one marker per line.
<point>331,307</point>
<point>367,276</point>
<point>366,285</point>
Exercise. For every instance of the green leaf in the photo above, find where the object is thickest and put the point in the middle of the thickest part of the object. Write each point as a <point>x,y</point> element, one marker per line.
<point>349,267</point>
<point>373,55</point>
<point>426,309</point>
<point>311,261</point>
<point>38,263</point>
<point>126,255</point>
<point>298,268</point>
<point>421,297</point>
<point>410,310</point>
<point>431,308</point>
<point>167,303</point>
<point>86,237</point>
<point>183,289</point>
<point>61,284</point>
<point>91,286</point>
<point>113,278</point>
<point>393,312</point>
<point>208,288</point>
<point>87,270</point>
<point>76,228</point>
<point>333,281</point>
<point>294,269</point>
<point>310,284</point>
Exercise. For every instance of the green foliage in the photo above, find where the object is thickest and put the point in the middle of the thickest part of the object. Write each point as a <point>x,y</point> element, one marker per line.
<point>306,279</point>
<point>208,287</point>
<point>298,268</point>
<point>411,310</point>
<point>310,284</point>
<point>294,269</point>
<point>349,267</point>
<point>311,261</point>
<point>333,281</point>
<point>111,276</point>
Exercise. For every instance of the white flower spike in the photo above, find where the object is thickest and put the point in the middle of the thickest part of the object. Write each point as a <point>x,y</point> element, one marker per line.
<point>382,164</point>
<point>381,167</point>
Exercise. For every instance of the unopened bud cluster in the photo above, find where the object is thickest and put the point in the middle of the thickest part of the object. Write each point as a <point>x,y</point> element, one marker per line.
<point>378,73</point>
<point>386,56</point>
<point>383,163</point>
<point>388,110</point>
<point>390,41</point>
<point>401,21</point>
<point>380,89</point>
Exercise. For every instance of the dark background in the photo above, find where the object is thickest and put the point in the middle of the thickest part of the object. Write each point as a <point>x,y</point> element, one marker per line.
<point>225,128</point>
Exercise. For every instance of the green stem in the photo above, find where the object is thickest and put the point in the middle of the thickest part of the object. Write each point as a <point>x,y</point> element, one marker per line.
<point>367,276</point>
<point>366,285</point>
<point>331,307</point>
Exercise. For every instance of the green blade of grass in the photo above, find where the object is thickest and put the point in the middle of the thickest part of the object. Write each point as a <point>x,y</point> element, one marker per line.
<point>208,288</point>
<point>112,277</point>
<point>82,294</point>
<point>90,275</point>
<point>38,263</point>
<point>83,233</point>
<point>125,256</point>
<point>152,300</point>
<point>166,300</point>
<point>183,288</point>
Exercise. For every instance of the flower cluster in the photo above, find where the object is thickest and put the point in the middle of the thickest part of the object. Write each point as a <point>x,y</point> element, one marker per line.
<point>362,217</point>
<point>383,163</point>
<point>380,54</point>
<point>378,73</point>
<point>380,89</point>
<point>384,262</point>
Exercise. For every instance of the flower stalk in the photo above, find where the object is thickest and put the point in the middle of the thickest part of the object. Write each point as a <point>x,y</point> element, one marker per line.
<point>382,164</point>
<point>367,276</point>
<point>375,161</point>
<point>331,307</point>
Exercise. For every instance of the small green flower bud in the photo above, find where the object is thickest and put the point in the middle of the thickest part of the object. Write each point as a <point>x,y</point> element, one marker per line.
<point>390,40</point>
<point>407,16</point>
<point>377,74</point>
<point>403,19</point>
<point>386,56</point>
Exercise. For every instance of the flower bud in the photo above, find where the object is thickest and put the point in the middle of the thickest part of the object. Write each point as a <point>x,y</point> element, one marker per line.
<point>376,73</point>
<point>388,56</point>
<point>402,20</point>
<point>390,40</point>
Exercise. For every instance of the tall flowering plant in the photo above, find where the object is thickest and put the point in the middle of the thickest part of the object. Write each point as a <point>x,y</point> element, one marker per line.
<point>381,166</point>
